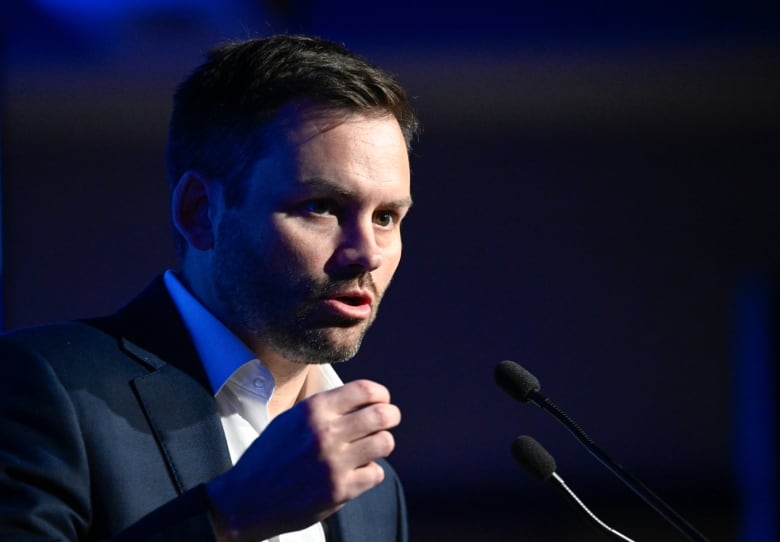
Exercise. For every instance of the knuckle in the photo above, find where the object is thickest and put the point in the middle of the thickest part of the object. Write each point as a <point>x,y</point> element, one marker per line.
<point>378,473</point>
<point>381,417</point>
<point>365,387</point>
<point>372,391</point>
<point>385,416</point>
<point>316,413</point>
<point>385,443</point>
<point>340,492</point>
<point>324,435</point>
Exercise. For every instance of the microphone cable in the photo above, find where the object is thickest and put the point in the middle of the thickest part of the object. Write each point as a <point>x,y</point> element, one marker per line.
<point>538,462</point>
<point>523,386</point>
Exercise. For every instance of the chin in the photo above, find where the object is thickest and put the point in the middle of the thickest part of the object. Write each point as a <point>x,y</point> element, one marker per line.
<point>320,345</point>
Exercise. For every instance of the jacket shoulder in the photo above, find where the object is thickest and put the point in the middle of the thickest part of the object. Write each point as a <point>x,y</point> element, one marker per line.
<point>75,352</point>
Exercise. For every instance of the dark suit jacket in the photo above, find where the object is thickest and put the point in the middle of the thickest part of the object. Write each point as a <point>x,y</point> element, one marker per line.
<point>108,430</point>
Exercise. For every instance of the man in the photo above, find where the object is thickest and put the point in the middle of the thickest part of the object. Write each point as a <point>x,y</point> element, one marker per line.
<point>288,160</point>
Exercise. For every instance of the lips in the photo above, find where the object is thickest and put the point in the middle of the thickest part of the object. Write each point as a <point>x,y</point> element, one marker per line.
<point>354,299</point>
<point>352,304</point>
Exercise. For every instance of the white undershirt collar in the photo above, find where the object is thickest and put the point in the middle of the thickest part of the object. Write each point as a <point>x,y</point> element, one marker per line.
<point>221,352</point>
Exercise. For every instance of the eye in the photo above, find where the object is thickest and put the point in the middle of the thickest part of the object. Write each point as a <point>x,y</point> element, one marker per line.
<point>318,207</point>
<point>385,219</point>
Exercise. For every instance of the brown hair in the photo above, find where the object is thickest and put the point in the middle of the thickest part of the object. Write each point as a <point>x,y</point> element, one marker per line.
<point>221,108</point>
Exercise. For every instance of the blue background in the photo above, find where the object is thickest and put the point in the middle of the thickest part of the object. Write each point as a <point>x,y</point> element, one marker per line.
<point>595,197</point>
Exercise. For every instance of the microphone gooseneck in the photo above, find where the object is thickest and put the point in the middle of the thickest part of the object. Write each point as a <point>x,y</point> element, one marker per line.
<point>523,386</point>
<point>538,462</point>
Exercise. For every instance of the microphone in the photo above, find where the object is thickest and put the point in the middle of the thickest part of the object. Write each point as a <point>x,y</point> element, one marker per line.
<point>524,387</point>
<point>541,465</point>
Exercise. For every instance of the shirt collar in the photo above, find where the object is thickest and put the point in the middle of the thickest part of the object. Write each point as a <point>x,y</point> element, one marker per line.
<point>221,352</point>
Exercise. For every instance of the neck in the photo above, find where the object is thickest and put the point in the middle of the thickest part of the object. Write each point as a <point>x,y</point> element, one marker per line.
<point>289,380</point>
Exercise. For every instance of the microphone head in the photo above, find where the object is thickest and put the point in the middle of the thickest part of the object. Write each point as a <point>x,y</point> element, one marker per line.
<point>515,380</point>
<point>533,458</point>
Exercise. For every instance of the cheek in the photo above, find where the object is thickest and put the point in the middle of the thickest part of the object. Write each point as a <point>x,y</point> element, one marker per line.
<point>304,250</point>
<point>385,273</point>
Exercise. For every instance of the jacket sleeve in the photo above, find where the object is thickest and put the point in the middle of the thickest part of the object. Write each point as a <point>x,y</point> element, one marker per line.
<point>44,477</point>
<point>45,474</point>
<point>185,518</point>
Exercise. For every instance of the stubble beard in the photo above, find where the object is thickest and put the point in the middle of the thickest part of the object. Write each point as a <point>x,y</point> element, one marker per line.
<point>275,307</point>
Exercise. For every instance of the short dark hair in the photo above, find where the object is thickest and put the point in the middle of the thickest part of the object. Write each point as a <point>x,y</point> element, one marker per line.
<point>220,110</point>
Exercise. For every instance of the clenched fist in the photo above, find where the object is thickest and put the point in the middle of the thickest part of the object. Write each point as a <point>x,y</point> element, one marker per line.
<point>308,462</point>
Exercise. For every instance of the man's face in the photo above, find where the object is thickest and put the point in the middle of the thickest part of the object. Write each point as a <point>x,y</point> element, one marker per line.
<point>300,266</point>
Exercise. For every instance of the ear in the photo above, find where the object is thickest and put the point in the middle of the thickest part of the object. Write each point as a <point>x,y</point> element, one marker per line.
<point>191,208</point>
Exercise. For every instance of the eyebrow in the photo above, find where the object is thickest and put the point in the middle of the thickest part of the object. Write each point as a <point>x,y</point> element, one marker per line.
<point>325,185</point>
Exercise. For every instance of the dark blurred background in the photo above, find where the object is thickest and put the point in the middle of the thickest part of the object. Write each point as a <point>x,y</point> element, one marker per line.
<point>595,197</point>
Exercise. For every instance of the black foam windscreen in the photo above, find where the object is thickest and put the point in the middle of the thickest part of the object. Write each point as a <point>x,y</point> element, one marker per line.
<point>533,457</point>
<point>515,380</point>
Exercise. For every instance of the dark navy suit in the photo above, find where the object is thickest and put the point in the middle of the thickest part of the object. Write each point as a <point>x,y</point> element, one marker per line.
<point>108,430</point>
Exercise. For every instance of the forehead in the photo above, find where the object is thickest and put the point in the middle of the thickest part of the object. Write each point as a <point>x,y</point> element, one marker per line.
<point>351,151</point>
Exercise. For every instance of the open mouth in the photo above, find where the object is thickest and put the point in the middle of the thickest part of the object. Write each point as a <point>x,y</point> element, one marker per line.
<point>352,300</point>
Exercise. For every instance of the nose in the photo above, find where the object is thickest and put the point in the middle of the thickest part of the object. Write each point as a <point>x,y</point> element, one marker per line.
<point>358,251</point>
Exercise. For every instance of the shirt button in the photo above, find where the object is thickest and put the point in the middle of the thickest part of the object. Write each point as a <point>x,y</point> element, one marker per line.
<point>258,383</point>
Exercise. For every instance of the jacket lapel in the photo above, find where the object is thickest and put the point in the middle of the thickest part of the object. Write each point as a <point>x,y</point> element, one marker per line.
<point>354,523</point>
<point>344,526</point>
<point>378,515</point>
<point>175,394</point>
<point>191,437</point>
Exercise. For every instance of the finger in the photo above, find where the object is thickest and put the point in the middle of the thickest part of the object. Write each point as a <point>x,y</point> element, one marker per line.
<point>372,447</point>
<point>367,420</point>
<point>351,396</point>
<point>358,454</point>
<point>358,481</point>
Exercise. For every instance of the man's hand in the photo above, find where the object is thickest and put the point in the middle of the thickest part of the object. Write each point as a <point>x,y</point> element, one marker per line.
<point>308,462</point>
